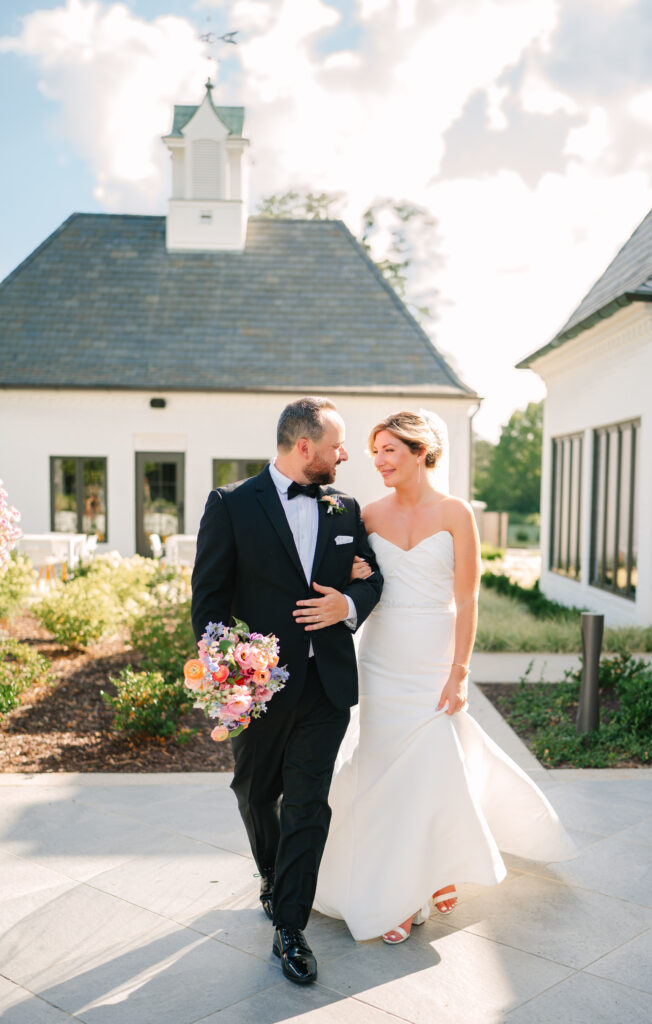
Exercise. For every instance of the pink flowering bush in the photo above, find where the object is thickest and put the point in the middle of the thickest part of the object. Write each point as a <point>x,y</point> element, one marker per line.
<point>9,532</point>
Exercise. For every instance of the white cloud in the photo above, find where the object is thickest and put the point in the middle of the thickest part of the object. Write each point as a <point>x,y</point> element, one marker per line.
<point>538,96</point>
<point>640,106</point>
<point>372,122</point>
<point>591,139</point>
<point>115,79</point>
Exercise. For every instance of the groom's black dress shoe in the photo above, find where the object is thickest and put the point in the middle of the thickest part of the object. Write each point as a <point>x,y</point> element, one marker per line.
<point>297,960</point>
<point>267,890</point>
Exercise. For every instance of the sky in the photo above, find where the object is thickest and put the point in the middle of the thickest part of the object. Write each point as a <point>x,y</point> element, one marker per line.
<point>522,127</point>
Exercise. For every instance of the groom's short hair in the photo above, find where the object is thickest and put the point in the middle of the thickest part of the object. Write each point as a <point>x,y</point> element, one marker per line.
<point>303,418</point>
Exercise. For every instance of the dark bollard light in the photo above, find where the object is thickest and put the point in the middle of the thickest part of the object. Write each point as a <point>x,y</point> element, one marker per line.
<point>588,712</point>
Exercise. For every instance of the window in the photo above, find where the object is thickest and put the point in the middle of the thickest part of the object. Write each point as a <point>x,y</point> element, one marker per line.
<point>229,471</point>
<point>78,496</point>
<point>614,528</point>
<point>565,519</point>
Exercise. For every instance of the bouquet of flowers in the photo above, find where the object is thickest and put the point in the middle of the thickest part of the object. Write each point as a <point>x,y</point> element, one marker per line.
<point>235,676</point>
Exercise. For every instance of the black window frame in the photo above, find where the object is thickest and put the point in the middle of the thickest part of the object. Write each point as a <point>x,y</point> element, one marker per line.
<point>566,448</point>
<point>242,471</point>
<point>603,438</point>
<point>79,491</point>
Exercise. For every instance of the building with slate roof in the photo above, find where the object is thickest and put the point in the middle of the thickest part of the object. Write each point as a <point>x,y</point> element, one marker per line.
<point>596,490</point>
<point>145,359</point>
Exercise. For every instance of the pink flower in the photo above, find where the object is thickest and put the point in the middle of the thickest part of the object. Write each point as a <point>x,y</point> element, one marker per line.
<point>263,694</point>
<point>219,733</point>
<point>236,707</point>
<point>261,676</point>
<point>242,653</point>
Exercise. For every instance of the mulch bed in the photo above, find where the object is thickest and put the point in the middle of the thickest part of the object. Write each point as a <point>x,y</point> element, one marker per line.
<point>66,727</point>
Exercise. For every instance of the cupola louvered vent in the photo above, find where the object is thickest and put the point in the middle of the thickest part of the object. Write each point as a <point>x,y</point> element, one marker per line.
<point>206,182</point>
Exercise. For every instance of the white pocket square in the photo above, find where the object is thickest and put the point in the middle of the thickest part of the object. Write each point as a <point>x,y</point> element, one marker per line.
<point>343,538</point>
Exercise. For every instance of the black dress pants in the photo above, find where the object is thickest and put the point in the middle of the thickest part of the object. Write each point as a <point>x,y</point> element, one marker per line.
<point>283,771</point>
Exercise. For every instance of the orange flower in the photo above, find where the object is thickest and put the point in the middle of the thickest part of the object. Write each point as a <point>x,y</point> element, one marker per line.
<point>261,676</point>
<point>193,669</point>
<point>221,674</point>
<point>219,733</point>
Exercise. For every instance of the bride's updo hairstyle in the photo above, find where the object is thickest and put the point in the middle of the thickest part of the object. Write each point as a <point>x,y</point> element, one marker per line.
<point>412,430</point>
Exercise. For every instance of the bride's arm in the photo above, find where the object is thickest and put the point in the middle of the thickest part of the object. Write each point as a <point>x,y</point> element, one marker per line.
<point>466,545</point>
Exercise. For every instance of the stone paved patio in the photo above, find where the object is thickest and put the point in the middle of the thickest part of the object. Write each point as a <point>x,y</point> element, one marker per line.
<point>132,900</point>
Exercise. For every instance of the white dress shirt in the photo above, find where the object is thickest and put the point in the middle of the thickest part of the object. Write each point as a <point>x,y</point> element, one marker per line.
<point>302,515</point>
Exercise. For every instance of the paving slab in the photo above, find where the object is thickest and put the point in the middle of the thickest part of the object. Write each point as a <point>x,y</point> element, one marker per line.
<point>585,999</point>
<point>130,899</point>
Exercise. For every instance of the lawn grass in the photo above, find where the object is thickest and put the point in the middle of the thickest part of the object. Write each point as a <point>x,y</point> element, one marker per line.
<point>506,624</point>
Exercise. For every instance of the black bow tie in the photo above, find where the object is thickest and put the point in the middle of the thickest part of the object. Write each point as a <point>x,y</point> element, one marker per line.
<point>310,490</point>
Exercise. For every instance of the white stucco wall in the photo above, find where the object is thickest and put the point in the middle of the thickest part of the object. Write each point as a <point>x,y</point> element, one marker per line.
<point>36,424</point>
<point>603,376</point>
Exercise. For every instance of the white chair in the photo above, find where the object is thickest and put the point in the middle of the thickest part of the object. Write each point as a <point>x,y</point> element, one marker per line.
<point>155,545</point>
<point>180,549</point>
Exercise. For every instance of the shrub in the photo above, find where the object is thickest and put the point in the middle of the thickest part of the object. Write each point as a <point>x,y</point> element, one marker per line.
<point>631,680</point>
<point>109,593</point>
<point>78,615</point>
<point>145,704</point>
<point>536,602</point>
<point>489,553</point>
<point>15,584</point>
<point>20,668</point>
<point>164,638</point>
<point>546,713</point>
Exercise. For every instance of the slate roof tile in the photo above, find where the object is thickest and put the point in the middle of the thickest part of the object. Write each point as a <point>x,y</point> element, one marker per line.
<point>102,303</point>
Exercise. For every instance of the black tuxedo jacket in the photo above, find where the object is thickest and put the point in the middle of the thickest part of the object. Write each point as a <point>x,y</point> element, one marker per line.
<point>248,566</point>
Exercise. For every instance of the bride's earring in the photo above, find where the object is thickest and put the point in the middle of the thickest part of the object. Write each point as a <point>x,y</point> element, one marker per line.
<point>419,473</point>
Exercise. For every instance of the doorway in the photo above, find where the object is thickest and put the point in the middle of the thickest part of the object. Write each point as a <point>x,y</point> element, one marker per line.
<point>160,488</point>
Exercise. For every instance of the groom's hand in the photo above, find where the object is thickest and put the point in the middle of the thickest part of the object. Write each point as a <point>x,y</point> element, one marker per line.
<point>319,612</point>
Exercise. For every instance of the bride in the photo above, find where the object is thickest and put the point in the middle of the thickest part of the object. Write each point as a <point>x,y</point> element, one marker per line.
<point>422,797</point>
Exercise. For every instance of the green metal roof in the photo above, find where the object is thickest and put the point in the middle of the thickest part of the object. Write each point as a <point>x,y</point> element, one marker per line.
<point>231,117</point>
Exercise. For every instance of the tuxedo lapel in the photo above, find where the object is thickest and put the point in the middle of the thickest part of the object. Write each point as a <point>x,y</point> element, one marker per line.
<point>323,535</point>
<point>271,503</point>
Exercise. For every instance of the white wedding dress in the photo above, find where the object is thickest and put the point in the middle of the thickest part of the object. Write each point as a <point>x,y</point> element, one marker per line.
<point>420,799</point>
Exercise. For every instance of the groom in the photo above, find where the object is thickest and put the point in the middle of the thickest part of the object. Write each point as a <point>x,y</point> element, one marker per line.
<point>276,551</point>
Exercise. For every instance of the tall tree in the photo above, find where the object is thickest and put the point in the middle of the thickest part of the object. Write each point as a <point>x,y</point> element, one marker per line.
<point>300,205</point>
<point>512,482</point>
<point>482,454</point>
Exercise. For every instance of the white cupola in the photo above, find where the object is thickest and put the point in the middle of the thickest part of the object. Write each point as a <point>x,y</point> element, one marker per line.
<point>208,207</point>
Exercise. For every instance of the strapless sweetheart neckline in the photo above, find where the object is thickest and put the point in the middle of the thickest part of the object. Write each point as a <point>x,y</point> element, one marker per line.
<point>414,546</point>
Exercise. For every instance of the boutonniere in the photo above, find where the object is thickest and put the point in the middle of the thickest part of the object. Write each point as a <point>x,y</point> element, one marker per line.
<point>333,504</point>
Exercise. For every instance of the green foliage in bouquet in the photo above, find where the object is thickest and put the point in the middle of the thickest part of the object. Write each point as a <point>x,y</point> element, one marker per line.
<point>20,668</point>
<point>146,704</point>
<point>15,584</point>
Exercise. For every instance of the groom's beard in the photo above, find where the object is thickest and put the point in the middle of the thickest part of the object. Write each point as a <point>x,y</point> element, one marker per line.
<point>319,472</point>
